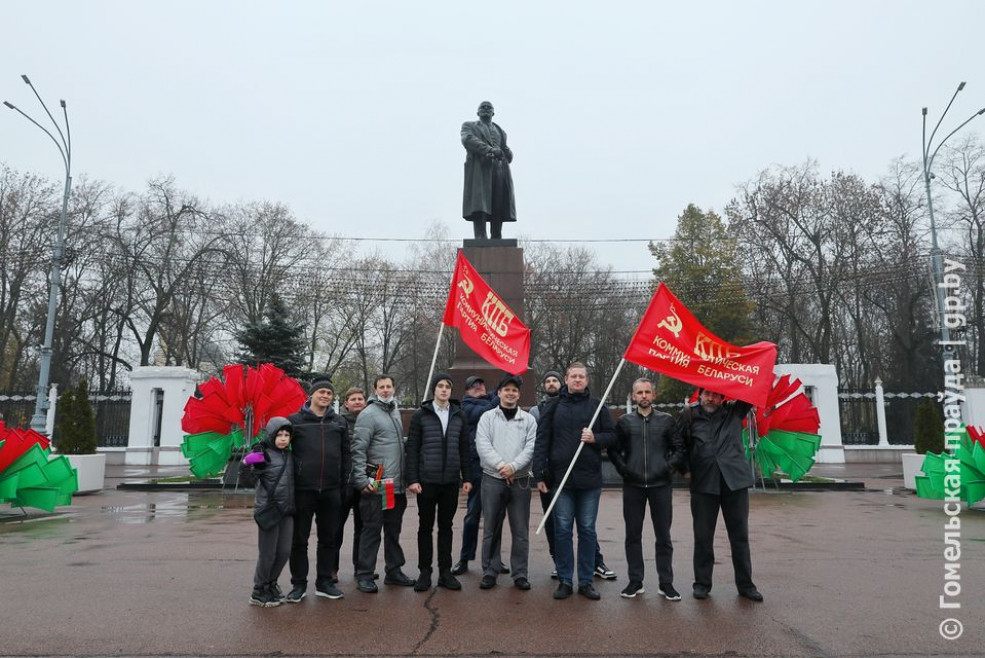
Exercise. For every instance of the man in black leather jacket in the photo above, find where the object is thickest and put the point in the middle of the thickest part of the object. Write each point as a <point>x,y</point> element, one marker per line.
<point>648,450</point>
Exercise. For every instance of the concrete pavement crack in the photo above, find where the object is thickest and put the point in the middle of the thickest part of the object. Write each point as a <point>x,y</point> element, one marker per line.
<point>804,639</point>
<point>435,618</point>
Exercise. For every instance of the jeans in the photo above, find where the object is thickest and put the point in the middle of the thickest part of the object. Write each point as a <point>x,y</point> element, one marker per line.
<point>470,525</point>
<point>323,507</point>
<point>442,498</point>
<point>498,500</point>
<point>634,502</point>
<point>576,507</point>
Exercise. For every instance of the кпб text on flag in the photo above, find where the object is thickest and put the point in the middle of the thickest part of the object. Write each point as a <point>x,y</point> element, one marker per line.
<point>486,323</point>
<point>672,342</point>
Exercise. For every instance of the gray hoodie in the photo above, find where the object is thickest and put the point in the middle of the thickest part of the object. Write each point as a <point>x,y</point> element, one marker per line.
<point>499,441</point>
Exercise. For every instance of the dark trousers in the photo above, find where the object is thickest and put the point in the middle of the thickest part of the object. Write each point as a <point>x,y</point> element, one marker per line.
<point>350,503</point>
<point>323,507</point>
<point>634,502</point>
<point>443,499</point>
<point>470,525</point>
<point>275,548</point>
<point>377,520</point>
<point>734,506</point>
<point>545,502</point>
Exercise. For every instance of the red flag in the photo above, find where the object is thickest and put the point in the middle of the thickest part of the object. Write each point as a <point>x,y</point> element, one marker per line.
<point>671,341</point>
<point>486,323</point>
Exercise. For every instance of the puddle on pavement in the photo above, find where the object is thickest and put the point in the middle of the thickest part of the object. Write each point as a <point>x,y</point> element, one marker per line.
<point>191,506</point>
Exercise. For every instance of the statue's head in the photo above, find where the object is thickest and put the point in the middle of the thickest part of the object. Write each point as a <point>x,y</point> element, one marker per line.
<point>485,110</point>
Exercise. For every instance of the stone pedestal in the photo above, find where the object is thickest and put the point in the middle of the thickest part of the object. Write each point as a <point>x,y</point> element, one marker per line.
<point>500,262</point>
<point>158,403</point>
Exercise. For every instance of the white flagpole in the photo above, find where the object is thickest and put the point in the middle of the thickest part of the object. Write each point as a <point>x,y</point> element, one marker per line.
<point>581,444</point>
<point>434,359</point>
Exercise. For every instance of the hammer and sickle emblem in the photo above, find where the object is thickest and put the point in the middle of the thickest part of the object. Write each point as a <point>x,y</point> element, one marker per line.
<point>672,323</point>
<point>466,285</point>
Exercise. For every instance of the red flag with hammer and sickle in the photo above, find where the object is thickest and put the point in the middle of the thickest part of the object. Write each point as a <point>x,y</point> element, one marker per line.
<point>671,341</point>
<point>486,323</point>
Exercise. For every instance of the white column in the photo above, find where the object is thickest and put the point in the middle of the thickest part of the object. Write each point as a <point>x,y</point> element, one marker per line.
<point>49,422</point>
<point>881,415</point>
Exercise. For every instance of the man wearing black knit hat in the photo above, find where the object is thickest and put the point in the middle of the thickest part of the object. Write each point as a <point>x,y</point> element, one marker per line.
<point>321,450</point>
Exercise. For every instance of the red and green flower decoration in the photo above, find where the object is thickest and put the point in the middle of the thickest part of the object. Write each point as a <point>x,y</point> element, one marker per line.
<point>787,431</point>
<point>969,476</point>
<point>228,413</point>
<point>29,475</point>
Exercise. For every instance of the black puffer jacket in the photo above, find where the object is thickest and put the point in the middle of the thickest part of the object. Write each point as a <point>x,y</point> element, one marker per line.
<point>434,456</point>
<point>559,435</point>
<point>474,407</point>
<point>271,484</point>
<point>321,447</point>
<point>648,449</point>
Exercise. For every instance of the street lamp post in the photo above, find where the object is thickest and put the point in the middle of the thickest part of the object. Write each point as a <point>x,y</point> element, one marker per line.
<point>64,145</point>
<point>936,258</point>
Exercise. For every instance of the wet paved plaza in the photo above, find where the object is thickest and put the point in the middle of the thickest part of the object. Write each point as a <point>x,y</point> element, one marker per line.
<point>169,573</point>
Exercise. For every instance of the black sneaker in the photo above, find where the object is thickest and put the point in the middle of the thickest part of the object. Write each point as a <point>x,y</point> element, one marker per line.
<point>277,592</point>
<point>521,583</point>
<point>589,592</point>
<point>259,597</point>
<point>554,574</point>
<point>487,582</point>
<point>460,567</point>
<point>604,572</point>
<point>632,589</point>
<point>751,594</point>
<point>423,582</point>
<point>398,577</point>
<point>296,594</point>
<point>668,592</point>
<point>448,581</point>
<point>563,591</point>
<point>503,569</point>
<point>329,591</point>
<point>367,585</point>
<point>701,592</point>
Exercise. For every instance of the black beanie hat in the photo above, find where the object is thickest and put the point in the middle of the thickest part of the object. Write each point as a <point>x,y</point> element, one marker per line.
<point>321,382</point>
<point>439,376</point>
<point>552,373</point>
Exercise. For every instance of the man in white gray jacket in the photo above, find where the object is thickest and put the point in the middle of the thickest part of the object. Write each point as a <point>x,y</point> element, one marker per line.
<point>505,440</point>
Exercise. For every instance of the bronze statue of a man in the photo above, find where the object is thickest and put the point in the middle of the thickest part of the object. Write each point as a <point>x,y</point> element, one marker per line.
<point>488,193</point>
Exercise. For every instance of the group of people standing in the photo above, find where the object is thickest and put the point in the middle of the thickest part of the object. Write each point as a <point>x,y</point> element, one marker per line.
<point>494,451</point>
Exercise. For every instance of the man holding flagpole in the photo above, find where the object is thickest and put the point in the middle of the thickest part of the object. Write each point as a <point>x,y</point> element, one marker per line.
<point>720,480</point>
<point>562,428</point>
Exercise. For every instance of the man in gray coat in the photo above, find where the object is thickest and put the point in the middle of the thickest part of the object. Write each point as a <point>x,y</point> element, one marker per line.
<point>488,195</point>
<point>378,441</point>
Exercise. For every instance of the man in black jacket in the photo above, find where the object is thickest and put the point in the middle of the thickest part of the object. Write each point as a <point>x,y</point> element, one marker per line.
<point>321,448</point>
<point>720,480</point>
<point>475,402</point>
<point>648,450</point>
<point>560,430</point>
<point>437,463</point>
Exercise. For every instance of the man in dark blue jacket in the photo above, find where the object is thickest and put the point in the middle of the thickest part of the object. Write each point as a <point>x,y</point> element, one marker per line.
<point>321,449</point>
<point>561,429</point>
<point>475,402</point>
<point>720,480</point>
<point>648,450</point>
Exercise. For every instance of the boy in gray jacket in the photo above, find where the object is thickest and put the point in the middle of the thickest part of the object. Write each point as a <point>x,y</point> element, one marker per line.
<point>505,440</point>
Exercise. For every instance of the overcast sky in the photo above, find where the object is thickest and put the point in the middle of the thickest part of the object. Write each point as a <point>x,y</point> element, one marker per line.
<point>619,113</point>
